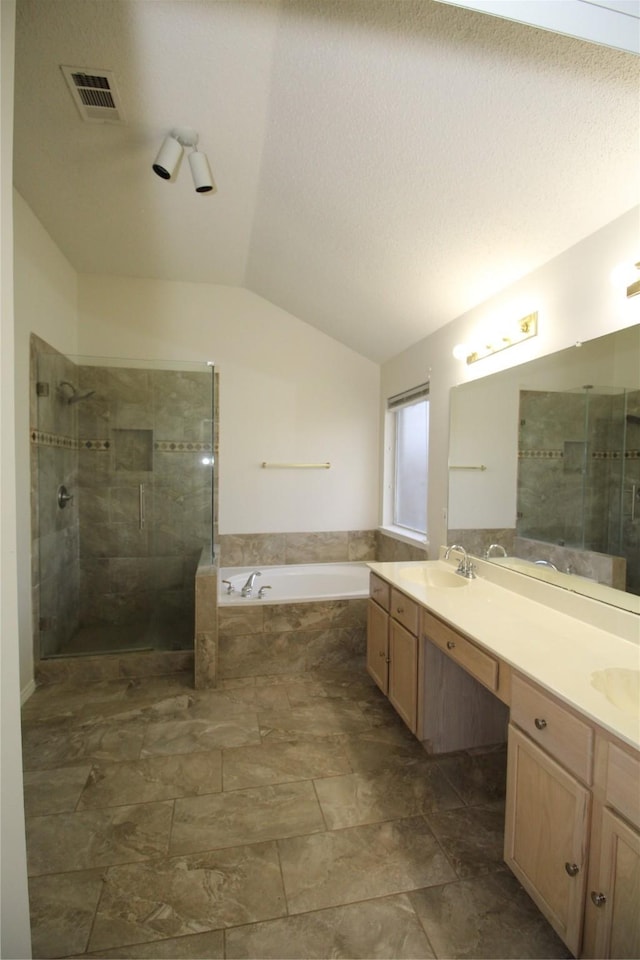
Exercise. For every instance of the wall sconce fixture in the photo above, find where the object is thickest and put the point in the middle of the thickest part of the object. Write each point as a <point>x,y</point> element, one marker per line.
<point>515,333</point>
<point>168,160</point>
<point>634,288</point>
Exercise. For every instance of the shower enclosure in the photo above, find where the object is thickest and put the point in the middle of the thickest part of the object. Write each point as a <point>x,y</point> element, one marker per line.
<point>122,501</point>
<point>579,471</point>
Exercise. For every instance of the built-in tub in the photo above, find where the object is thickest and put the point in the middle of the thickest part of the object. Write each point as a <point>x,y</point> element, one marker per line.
<point>312,619</point>
<point>295,583</point>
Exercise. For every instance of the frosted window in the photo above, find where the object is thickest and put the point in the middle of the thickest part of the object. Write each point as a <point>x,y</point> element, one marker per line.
<point>411,460</point>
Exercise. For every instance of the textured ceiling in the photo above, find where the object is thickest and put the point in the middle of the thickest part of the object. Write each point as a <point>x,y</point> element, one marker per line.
<point>382,166</point>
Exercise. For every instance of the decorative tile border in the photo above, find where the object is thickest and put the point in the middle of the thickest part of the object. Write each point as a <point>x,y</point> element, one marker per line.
<point>42,439</point>
<point>181,446</point>
<point>595,455</point>
<point>540,454</point>
<point>95,444</point>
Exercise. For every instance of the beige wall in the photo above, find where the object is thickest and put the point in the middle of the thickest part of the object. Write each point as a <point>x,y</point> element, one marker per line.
<point>576,299</point>
<point>14,904</point>
<point>287,393</point>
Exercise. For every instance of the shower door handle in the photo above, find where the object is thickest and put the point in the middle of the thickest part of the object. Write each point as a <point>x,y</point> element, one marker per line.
<point>141,506</point>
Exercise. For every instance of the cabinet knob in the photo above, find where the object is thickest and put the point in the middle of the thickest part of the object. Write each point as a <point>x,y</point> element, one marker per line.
<point>598,898</point>
<point>382,653</point>
<point>540,723</point>
<point>572,868</point>
<point>399,609</point>
<point>450,644</point>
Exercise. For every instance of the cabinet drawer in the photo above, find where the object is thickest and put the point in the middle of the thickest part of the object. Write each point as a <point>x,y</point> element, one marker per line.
<point>475,661</point>
<point>404,610</point>
<point>623,783</point>
<point>554,727</point>
<point>379,590</point>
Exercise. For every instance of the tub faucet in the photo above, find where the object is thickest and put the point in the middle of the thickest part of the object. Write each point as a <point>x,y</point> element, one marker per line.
<point>495,546</point>
<point>247,590</point>
<point>466,568</point>
<point>545,563</point>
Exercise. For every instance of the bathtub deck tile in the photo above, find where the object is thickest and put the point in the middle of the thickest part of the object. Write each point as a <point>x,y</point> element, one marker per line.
<point>239,621</point>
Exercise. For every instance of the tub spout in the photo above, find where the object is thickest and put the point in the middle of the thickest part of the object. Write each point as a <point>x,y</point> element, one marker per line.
<point>247,590</point>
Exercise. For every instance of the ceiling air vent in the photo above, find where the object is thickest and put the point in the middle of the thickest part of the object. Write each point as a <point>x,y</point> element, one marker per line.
<point>94,93</point>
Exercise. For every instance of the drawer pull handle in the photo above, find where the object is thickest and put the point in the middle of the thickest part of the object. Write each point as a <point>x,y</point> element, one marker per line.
<point>382,653</point>
<point>572,869</point>
<point>450,644</point>
<point>540,724</point>
<point>598,898</point>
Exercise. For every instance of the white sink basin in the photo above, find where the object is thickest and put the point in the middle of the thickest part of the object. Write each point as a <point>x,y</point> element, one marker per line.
<point>434,575</point>
<point>620,686</point>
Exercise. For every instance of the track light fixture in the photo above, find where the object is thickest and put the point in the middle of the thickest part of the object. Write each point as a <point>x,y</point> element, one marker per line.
<point>168,160</point>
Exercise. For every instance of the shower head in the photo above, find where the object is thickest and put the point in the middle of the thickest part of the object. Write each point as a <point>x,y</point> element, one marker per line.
<point>71,394</point>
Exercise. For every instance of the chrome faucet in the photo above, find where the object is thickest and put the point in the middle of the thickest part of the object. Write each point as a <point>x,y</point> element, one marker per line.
<point>545,563</point>
<point>495,546</point>
<point>466,568</point>
<point>247,590</point>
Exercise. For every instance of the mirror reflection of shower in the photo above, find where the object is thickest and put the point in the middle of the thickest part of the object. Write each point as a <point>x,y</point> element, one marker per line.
<point>70,394</point>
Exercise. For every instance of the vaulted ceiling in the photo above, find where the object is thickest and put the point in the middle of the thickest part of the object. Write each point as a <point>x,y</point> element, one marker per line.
<point>381,165</point>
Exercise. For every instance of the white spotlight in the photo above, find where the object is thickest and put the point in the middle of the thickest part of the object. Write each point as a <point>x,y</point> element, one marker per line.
<point>166,163</point>
<point>202,179</point>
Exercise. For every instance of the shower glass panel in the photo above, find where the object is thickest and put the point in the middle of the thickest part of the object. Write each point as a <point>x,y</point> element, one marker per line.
<point>579,471</point>
<point>131,442</point>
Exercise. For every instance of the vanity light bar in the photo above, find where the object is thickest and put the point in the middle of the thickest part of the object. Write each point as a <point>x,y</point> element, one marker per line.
<point>634,288</point>
<point>523,330</point>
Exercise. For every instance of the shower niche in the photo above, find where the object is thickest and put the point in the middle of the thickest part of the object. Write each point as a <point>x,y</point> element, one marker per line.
<point>132,442</point>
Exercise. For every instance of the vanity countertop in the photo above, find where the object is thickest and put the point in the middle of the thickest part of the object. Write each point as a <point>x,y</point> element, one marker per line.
<point>561,651</point>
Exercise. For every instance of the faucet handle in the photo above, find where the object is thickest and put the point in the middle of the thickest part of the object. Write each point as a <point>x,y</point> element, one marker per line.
<point>262,590</point>
<point>229,586</point>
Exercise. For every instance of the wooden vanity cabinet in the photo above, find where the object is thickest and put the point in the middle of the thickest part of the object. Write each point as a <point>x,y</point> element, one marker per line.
<point>546,835</point>
<point>612,914</point>
<point>547,821</point>
<point>392,647</point>
<point>378,634</point>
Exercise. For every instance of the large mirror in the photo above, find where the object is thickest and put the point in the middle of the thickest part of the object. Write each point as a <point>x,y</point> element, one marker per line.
<point>544,464</point>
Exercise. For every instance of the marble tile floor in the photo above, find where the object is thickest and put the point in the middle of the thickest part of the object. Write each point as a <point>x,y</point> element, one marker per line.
<point>285,817</point>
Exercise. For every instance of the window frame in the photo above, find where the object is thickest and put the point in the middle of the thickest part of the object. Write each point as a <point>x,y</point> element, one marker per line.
<point>394,404</point>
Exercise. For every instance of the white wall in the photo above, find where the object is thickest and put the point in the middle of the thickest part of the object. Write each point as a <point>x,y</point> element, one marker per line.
<point>579,295</point>
<point>45,292</point>
<point>14,903</point>
<point>287,393</point>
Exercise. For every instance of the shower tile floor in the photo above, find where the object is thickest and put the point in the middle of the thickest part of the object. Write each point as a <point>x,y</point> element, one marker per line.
<point>288,816</point>
<point>144,634</point>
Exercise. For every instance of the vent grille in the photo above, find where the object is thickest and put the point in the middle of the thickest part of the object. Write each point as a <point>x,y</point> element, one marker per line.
<point>94,94</point>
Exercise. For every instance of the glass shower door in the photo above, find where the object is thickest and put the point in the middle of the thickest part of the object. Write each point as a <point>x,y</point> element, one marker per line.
<point>140,472</point>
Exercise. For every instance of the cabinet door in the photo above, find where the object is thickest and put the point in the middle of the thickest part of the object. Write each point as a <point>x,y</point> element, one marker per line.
<point>403,673</point>
<point>378,645</point>
<point>617,895</point>
<point>546,835</point>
